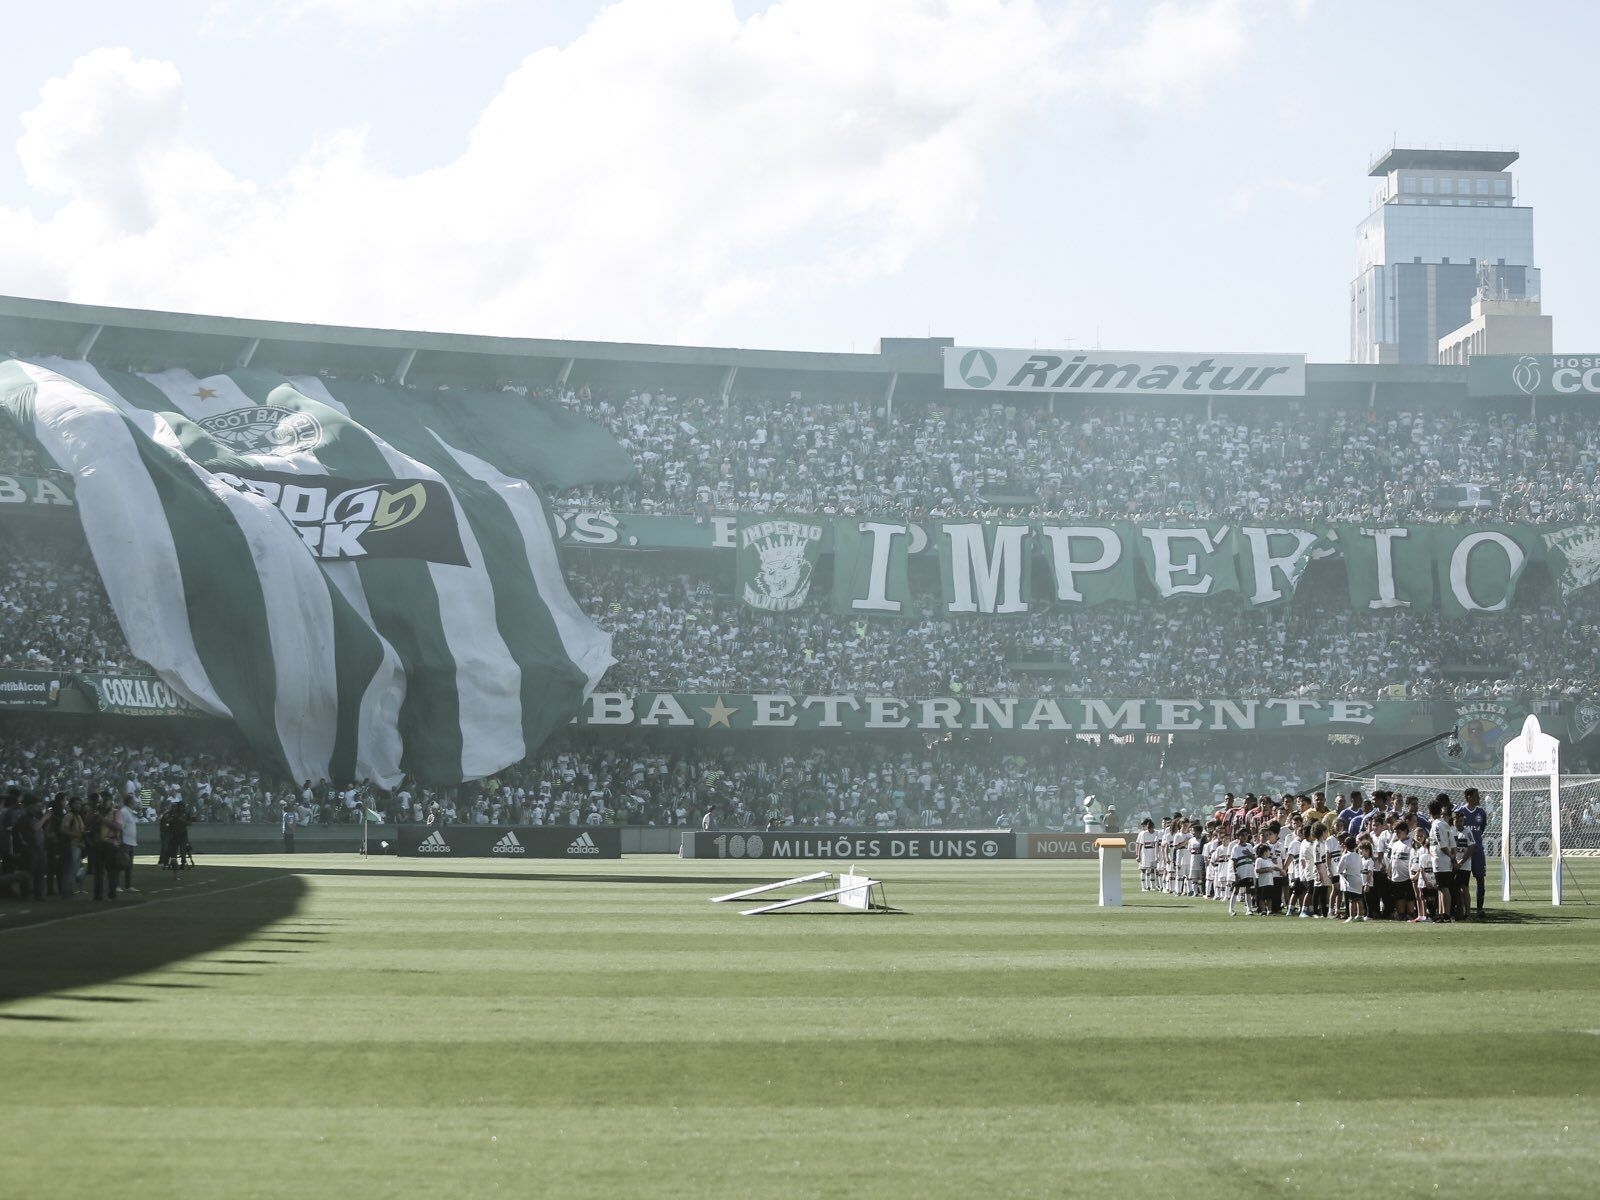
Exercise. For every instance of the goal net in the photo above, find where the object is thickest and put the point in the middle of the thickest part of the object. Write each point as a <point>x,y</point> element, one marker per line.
<point>1530,832</point>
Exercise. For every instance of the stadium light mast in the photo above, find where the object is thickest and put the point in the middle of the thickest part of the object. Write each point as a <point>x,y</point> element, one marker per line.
<point>1454,750</point>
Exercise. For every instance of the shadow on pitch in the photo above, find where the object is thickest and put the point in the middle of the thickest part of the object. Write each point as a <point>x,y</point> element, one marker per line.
<point>80,945</point>
<point>533,875</point>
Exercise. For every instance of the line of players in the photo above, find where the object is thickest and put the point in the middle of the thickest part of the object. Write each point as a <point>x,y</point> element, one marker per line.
<point>1380,863</point>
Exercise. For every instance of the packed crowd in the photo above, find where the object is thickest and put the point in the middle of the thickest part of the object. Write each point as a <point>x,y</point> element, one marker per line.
<point>673,635</point>
<point>19,456</point>
<point>1377,857</point>
<point>54,613</point>
<point>1297,463</point>
<point>585,778</point>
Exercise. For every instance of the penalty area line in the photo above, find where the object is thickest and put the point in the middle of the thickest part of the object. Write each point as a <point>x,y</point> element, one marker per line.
<point>163,898</point>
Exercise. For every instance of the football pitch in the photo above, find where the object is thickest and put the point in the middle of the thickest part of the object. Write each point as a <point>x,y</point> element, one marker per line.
<point>329,1026</point>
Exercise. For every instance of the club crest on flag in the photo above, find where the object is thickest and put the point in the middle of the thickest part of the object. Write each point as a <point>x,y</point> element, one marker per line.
<point>776,562</point>
<point>1585,721</point>
<point>1578,549</point>
<point>264,429</point>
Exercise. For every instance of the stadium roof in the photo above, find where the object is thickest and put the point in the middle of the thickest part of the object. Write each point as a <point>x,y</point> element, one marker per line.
<point>144,339</point>
<point>1399,159</point>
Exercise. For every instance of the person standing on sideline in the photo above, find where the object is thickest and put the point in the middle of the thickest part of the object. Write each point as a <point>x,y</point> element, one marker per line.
<point>290,820</point>
<point>128,823</point>
<point>1476,821</point>
<point>71,850</point>
<point>709,821</point>
<point>104,837</point>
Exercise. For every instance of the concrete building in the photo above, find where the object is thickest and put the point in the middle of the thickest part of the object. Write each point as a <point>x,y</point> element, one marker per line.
<point>1498,327</point>
<point>1445,225</point>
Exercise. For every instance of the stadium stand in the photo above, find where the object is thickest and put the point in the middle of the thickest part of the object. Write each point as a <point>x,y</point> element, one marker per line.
<point>998,459</point>
<point>804,444</point>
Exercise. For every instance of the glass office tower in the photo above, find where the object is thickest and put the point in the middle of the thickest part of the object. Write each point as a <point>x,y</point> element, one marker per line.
<point>1445,226</point>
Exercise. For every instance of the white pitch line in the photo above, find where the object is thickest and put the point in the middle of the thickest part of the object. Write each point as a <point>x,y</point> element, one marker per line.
<point>165,899</point>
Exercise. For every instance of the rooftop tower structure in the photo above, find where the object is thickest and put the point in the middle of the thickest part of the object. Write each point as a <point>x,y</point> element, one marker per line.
<point>1445,229</point>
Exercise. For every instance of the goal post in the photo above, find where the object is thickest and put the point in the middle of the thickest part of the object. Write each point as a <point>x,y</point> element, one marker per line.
<point>1534,812</point>
<point>1532,752</point>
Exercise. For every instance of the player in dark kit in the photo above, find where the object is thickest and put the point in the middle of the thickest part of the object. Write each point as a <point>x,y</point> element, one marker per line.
<point>1476,819</point>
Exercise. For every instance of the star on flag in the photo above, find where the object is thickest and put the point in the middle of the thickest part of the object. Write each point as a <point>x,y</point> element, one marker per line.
<point>205,393</point>
<point>718,714</point>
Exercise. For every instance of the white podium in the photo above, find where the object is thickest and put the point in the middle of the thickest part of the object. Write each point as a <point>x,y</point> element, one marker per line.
<point>1111,850</point>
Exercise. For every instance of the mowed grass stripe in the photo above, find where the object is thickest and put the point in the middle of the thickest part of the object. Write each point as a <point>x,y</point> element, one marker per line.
<point>800,1151</point>
<point>619,1035</point>
<point>368,1016</point>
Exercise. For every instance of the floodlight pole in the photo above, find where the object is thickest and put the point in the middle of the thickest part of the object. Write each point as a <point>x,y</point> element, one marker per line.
<point>1431,740</point>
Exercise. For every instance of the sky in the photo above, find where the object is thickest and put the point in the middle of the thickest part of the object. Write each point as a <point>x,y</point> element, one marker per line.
<point>791,174</point>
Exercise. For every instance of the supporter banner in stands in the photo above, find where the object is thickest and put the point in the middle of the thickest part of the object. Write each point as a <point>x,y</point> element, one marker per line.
<point>1573,556</point>
<point>983,714</point>
<point>448,663</point>
<point>29,491</point>
<point>646,531</point>
<point>135,696</point>
<point>1533,375</point>
<point>29,689</point>
<point>775,562</point>
<point>578,842</point>
<point>1112,372</point>
<point>1479,566</point>
<point>870,558</point>
<point>986,567</point>
<point>854,844</point>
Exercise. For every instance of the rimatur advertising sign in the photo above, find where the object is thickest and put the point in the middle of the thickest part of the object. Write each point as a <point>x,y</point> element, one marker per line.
<point>1114,372</point>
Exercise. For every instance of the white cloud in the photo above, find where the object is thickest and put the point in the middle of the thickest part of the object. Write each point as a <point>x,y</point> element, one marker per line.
<point>669,167</point>
<point>1179,48</point>
<point>364,15</point>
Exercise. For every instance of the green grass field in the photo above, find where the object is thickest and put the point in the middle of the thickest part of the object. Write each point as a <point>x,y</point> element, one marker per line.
<point>325,1026</point>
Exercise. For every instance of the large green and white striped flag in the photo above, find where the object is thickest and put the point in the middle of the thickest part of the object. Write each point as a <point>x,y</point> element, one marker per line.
<point>361,577</point>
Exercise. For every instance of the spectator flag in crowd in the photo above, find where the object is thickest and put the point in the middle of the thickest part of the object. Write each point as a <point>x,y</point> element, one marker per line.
<point>363,578</point>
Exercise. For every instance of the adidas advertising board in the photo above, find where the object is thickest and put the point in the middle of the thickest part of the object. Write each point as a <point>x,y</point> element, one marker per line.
<point>502,841</point>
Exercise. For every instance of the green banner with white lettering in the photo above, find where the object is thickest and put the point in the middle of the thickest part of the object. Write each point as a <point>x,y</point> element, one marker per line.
<point>1189,560</point>
<point>1478,567</point>
<point>870,572</point>
<point>1270,561</point>
<point>1492,722</point>
<point>983,568</point>
<point>1387,566</point>
<point>1090,564</point>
